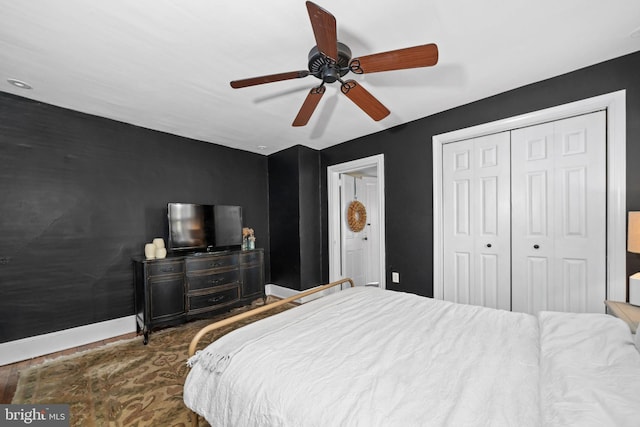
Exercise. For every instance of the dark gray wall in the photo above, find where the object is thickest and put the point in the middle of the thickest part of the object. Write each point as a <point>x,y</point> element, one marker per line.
<point>81,195</point>
<point>295,228</point>
<point>284,214</point>
<point>408,160</point>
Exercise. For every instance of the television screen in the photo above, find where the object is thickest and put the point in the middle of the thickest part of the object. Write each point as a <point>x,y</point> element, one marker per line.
<point>195,227</point>
<point>227,226</point>
<point>187,226</point>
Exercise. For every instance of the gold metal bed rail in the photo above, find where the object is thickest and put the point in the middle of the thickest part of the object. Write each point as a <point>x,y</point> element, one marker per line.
<point>241,316</point>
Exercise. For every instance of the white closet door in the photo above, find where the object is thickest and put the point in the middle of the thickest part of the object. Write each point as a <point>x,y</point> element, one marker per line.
<point>477,221</point>
<point>559,215</point>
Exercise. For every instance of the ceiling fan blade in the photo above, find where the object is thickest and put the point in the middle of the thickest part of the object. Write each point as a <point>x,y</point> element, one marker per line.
<point>309,106</point>
<point>324,29</point>
<point>363,99</point>
<point>410,57</point>
<point>236,84</point>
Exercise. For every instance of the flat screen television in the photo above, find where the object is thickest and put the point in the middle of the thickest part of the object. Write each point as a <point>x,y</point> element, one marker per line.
<point>198,228</point>
<point>187,227</point>
<point>226,226</point>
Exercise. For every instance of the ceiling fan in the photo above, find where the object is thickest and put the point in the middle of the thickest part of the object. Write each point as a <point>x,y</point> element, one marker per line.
<point>330,60</point>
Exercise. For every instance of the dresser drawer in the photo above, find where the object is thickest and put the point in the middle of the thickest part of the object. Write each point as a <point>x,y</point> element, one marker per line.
<point>161,267</point>
<point>202,281</point>
<point>252,257</point>
<point>213,300</point>
<point>211,262</point>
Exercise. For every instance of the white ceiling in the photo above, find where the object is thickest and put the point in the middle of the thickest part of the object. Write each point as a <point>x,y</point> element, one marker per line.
<point>167,65</point>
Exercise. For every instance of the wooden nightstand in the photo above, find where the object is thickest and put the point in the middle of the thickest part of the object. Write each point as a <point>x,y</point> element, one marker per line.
<point>625,311</point>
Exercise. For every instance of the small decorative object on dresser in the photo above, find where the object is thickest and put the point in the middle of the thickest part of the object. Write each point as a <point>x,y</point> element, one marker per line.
<point>161,253</point>
<point>155,249</point>
<point>248,239</point>
<point>150,251</point>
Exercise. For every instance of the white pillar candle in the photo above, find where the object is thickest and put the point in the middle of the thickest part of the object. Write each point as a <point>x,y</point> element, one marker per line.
<point>159,242</point>
<point>161,253</point>
<point>150,251</point>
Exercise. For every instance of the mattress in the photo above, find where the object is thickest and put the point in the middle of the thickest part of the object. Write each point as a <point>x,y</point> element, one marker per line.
<point>372,357</point>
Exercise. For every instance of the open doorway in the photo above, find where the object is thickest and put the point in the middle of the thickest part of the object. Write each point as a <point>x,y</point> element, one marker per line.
<point>357,251</point>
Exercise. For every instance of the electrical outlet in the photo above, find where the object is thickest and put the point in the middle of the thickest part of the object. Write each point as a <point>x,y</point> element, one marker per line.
<point>395,277</point>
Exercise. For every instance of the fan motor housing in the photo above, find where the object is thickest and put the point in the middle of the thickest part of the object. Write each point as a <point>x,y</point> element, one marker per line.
<point>325,69</point>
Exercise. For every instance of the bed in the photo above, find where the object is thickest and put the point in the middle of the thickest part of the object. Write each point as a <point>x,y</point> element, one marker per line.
<point>371,357</point>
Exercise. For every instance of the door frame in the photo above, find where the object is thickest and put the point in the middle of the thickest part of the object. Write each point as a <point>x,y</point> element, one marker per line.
<point>334,214</point>
<point>614,104</point>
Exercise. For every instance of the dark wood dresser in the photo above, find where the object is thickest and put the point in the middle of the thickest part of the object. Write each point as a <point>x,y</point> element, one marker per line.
<point>176,289</point>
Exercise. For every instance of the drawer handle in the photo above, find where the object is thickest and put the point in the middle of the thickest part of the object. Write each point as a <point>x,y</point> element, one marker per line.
<point>216,299</point>
<point>215,264</point>
<point>216,281</point>
<point>166,270</point>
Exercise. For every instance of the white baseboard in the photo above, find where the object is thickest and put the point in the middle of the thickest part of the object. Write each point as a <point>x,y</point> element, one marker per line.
<point>40,345</point>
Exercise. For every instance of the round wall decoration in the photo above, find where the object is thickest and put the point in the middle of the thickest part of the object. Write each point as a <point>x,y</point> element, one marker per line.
<point>356,216</point>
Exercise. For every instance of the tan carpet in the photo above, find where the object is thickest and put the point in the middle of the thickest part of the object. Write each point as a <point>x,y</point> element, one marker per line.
<point>122,384</point>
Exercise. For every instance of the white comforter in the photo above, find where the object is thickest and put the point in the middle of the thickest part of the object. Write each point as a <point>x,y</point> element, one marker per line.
<point>368,357</point>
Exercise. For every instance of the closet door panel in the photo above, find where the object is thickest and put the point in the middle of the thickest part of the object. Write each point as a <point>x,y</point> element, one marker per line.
<point>581,242</point>
<point>536,206</point>
<point>574,286</point>
<point>458,242</point>
<point>461,281</point>
<point>559,215</point>
<point>492,221</point>
<point>488,293</point>
<point>536,296</point>
<point>476,220</point>
<point>532,207</point>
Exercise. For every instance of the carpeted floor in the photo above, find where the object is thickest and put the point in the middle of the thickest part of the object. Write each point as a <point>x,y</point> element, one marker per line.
<point>125,383</point>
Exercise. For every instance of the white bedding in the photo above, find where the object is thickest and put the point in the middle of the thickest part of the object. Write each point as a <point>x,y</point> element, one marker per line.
<point>369,357</point>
